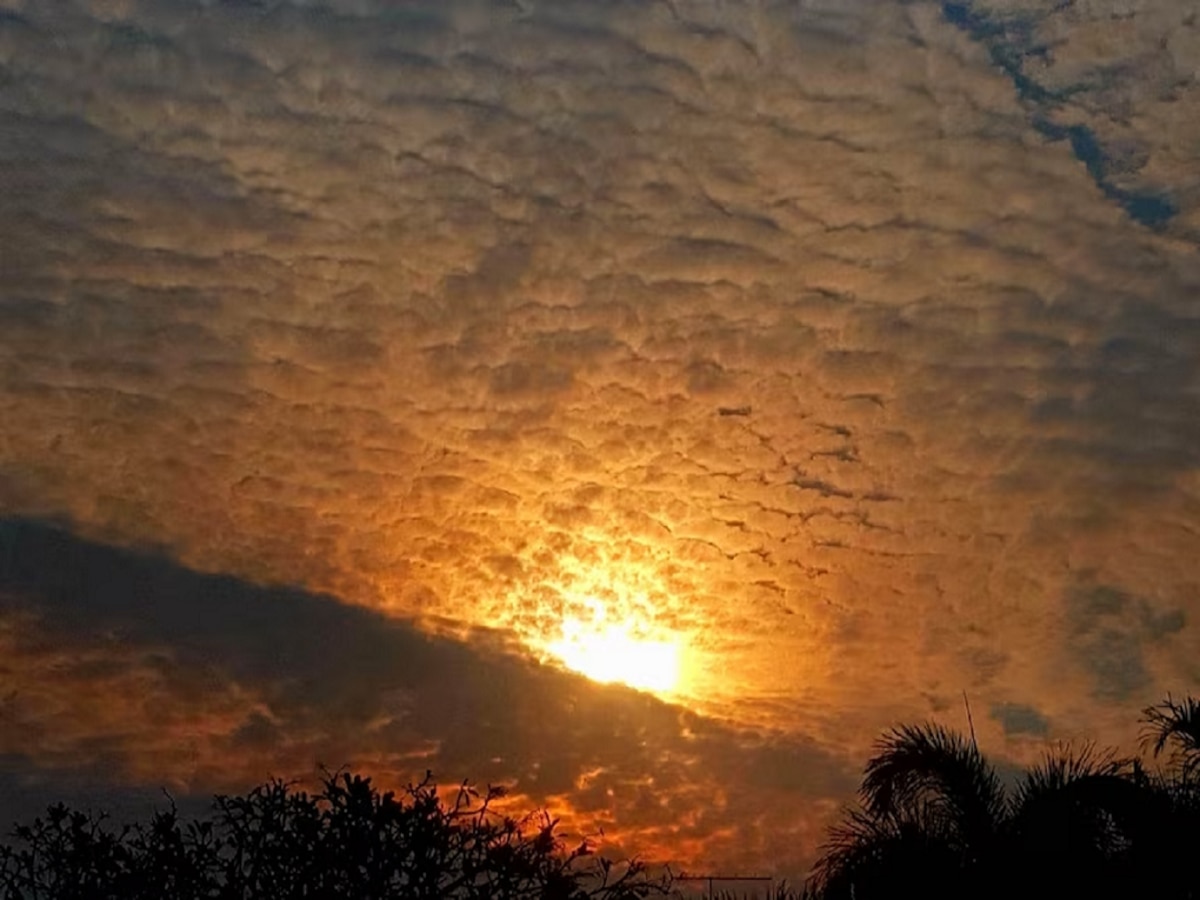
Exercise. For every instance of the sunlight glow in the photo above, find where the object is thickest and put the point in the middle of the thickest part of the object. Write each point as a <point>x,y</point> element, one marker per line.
<point>616,652</point>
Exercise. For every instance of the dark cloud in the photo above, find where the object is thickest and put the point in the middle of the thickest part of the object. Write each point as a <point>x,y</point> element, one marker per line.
<point>1018,719</point>
<point>337,684</point>
<point>26,789</point>
<point>1110,631</point>
<point>1086,102</point>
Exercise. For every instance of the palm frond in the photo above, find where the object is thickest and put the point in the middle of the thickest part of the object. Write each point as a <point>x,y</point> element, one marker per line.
<point>1174,726</point>
<point>931,767</point>
<point>1087,801</point>
<point>866,857</point>
<point>1067,766</point>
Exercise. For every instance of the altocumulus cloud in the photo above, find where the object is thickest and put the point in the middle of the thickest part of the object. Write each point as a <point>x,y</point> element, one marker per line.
<point>835,328</point>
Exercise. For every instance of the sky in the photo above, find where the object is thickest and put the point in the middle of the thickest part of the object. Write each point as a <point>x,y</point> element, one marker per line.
<point>640,404</point>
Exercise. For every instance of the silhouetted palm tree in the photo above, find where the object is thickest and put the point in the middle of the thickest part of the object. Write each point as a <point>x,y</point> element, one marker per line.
<point>1173,728</point>
<point>934,821</point>
<point>1080,822</point>
<point>931,807</point>
<point>1171,734</point>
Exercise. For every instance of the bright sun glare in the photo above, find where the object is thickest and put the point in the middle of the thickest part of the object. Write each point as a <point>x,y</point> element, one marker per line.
<point>616,652</point>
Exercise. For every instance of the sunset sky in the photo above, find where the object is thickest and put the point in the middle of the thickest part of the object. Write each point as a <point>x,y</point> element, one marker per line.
<point>637,403</point>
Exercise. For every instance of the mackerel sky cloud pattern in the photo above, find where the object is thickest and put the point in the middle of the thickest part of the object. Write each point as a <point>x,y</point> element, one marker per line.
<point>852,345</point>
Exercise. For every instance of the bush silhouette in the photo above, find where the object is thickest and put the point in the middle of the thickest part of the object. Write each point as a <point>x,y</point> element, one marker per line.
<point>933,821</point>
<point>347,841</point>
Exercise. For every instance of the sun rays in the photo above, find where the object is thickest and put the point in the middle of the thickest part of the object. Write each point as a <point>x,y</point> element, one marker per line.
<point>615,652</point>
<point>597,623</point>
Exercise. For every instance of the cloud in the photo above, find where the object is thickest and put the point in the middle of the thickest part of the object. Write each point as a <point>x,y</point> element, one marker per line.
<point>1109,633</point>
<point>1104,77</point>
<point>435,310</point>
<point>122,660</point>
<point>1019,719</point>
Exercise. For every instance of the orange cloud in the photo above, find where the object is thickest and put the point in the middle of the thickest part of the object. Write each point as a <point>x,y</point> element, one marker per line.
<point>816,342</point>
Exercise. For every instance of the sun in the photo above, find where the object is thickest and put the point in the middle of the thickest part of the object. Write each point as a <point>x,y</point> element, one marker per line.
<point>617,652</point>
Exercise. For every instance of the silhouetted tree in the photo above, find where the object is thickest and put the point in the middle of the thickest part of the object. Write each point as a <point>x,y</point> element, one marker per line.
<point>1171,733</point>
<point>933,820</point>
<point>1172,728</point>
<point>930,808</point>
<point>347,841</point>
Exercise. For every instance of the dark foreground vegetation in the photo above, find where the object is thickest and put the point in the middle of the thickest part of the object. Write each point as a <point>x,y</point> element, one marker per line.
<point>349,840</point>
<point>934,821</point>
